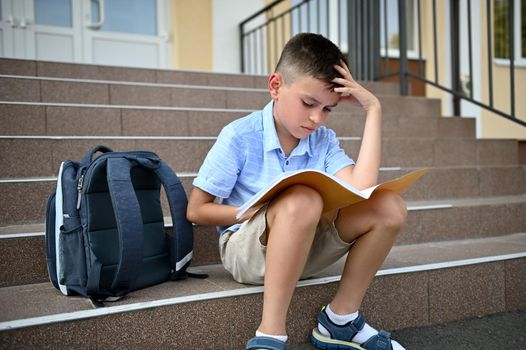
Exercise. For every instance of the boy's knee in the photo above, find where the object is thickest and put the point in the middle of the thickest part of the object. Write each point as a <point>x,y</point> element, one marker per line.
<point>392,209</point>
<point>300,202</point>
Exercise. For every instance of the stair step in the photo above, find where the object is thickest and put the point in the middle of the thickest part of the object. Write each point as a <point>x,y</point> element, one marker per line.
<point>144,75</point>
<point>444,278</point>
<point>428,221</point>
<point>25,198</point>
<point>35,89</point>
<point>163,76</point>
<point>107,120</point>
<point>186,154</point>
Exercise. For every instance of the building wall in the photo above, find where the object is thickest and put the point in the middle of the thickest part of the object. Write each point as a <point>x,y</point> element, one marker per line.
<point>443,53</point>
<point>227,14</point>
<point>192,34</point>
<point>490,125</point>
<point>494,126</point>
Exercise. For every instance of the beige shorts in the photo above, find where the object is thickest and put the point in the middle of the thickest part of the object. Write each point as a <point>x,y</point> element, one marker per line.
<point>243,252</point>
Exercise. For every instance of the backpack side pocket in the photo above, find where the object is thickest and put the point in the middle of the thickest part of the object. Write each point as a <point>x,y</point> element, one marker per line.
<point>72,257</point>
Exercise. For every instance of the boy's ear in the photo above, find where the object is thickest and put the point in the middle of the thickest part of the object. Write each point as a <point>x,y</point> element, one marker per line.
<point>275,82</point>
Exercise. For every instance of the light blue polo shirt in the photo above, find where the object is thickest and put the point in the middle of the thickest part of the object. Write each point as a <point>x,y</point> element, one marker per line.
<point>247,156</point>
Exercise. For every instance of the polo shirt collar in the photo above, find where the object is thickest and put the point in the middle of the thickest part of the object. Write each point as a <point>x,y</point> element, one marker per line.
<point>270,135</point>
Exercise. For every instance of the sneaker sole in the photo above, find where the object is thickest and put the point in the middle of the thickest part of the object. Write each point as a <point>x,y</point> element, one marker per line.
<point>322,342</point>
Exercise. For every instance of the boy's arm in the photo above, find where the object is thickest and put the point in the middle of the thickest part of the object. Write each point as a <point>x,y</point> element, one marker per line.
<point>364,173</point>
<point>202,210</point>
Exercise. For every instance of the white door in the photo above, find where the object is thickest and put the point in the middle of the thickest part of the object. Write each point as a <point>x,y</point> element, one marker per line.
<point>114,32</point>
<point>52,30</point>
<point>6,29</point>
<point>41,29</point>
<point>127,32</point>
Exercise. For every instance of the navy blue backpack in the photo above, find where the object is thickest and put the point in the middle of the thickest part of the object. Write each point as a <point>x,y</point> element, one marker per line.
<point>105,233</point>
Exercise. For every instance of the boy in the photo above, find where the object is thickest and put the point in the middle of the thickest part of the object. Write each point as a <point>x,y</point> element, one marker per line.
<point>291,238</point>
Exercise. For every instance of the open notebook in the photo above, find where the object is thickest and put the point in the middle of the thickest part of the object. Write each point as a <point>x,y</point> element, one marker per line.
<point>335,192</point>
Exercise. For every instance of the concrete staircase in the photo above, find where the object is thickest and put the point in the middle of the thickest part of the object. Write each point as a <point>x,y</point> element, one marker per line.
<point>462,253</point>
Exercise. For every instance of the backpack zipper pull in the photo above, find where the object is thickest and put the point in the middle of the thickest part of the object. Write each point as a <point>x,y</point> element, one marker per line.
<point>79,190</point>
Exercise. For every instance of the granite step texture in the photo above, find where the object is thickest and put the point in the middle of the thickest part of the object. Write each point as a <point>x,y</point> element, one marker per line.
<point>449,281</point>
<point>471,206</point>
<point>107,120</point>
<point>34,89</point>
<point>428,221</point>
<point>24,198</point>
<point>142,75</point>
<point>186,154</point>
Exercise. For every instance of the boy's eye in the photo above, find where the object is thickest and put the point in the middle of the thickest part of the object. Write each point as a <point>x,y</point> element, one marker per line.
<point>307,104</point>
<point>327,109</point>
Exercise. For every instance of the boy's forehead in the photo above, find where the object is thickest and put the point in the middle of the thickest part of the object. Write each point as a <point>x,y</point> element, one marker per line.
<point>315,88</point>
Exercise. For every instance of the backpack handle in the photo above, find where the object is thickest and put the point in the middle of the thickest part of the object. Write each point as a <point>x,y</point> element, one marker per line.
<point>88,156</point>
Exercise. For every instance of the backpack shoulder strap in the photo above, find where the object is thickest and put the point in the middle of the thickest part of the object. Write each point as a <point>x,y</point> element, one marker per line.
<point>181,242</point>
<point>129,223</point>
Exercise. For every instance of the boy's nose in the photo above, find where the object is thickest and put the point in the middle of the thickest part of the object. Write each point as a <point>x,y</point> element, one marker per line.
<point>316,118</point>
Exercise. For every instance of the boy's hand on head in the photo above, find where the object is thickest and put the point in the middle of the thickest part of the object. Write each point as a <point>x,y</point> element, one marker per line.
<point>353,92</point>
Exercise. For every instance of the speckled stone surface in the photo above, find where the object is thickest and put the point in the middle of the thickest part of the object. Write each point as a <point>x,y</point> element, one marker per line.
<point>139,95</point>
<point>203,123</point>
<point>422,226</point>
<point>497,152</point>
<point>469,291</point>
<point>456,127</point>
<point>397,301</point>
<point>17,67</point>
<point>74,92</point>
<point>515,284</point>
<point>22,120</point>
<point>71,121</point>
<point>498,219</point>
<point>203,98</point>
<point>92,72</point>
<point>420,191</point>
<point>247,99</point>
<point>143,122</point>
<point>12,89</point>
<point>24,203</point>
<point>181,77</point>
<point>38,299</point>
<point>23,261</point>
<point>503,180</point>
<point>75,149</point>
<point>34,158</point>
<point>176,153</point>
<point>449,152</point>
<point>186,326</point>
<point>68,335</point>
<point>206,249</point>
<point>400,152</point>
<point>442,183</point>
<point>410,106</point>
<point>246,81</point>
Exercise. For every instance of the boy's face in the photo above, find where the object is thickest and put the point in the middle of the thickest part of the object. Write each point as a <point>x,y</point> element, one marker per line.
<point>300,107</point>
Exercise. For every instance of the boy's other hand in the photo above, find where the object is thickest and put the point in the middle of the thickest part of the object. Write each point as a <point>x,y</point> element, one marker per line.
<point>353,92</point>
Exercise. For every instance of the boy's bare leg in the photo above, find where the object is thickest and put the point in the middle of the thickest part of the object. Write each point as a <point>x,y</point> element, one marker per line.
<point>291,224</point>
<point>374,224</point>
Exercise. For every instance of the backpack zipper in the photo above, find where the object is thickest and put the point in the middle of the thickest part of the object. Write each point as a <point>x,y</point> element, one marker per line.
<point>79,190</point>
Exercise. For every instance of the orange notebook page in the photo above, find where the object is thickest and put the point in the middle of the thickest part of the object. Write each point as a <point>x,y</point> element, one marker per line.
<point>336,193</point>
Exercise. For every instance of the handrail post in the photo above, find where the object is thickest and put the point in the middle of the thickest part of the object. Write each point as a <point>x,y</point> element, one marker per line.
<point>454,17</point>
<point>242,47</point>
<point>402,31</point>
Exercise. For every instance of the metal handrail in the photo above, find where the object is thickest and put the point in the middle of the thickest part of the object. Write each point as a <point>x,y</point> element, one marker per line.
<point>361,37</point>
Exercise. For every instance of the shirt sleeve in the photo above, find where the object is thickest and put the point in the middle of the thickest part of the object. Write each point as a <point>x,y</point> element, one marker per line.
<point>336,159</point>
<point>222,165</point>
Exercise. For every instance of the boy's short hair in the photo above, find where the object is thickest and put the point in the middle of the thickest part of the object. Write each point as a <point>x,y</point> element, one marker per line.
<point>309,54</point>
